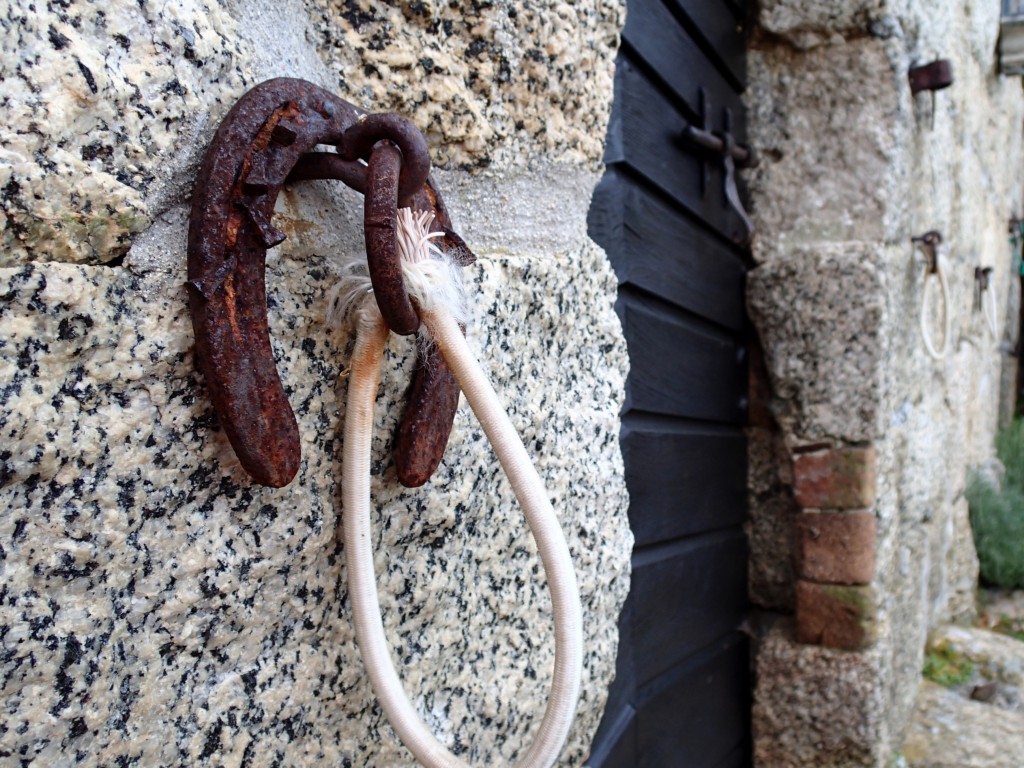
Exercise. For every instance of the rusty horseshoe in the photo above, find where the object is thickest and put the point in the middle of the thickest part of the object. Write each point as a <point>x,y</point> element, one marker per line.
<point>267,139</point>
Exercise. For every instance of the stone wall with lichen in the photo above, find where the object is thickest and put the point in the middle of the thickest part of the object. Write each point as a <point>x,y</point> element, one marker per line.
<point>853,165</point>
<point>157,607</point>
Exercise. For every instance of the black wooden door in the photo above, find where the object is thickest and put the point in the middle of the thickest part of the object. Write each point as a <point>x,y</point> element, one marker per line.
<point>682,692</point>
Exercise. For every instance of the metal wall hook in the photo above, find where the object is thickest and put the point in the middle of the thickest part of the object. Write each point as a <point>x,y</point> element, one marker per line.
<point>266,140</point>
<point>982,276</point>
<point>934,76</point>
<point>928,244</point>
<point>985,299</point>
<point>722,145</point>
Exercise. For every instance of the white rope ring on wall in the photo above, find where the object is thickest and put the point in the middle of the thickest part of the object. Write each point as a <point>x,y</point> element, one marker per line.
<point>371,338</point>
<point>938,275</point>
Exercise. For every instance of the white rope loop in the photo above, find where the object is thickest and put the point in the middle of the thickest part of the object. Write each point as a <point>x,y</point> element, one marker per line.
<point>529,490</point>
<point>947,318</point>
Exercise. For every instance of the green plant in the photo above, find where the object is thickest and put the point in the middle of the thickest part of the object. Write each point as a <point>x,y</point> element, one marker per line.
<point>997,517</point>
<point>944,665</point>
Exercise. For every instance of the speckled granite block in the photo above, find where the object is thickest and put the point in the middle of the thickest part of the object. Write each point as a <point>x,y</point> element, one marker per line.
<point>500,82</point>
<point>108,106</point>
<point>156,606</point>
<point>104,104</point>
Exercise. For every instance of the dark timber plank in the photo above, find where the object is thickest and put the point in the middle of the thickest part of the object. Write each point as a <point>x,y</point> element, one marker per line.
<point>687,594</point>
<point>739,757</point>
<point>681,483</point>
<point>615,744</point>
<point>679,370</point>
<point>657,249</point>
<point>681,696</point>
<point>697,713</point>
<point>721,34</point>
<point>645,134</point>
<point>655,37</point>
<point>736,6</point>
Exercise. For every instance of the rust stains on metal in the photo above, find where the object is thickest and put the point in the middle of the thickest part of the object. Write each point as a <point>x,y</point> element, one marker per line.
<point>267,139</point>
<point>929,244</point>
<point>359,140</point>
<point>380,223</point>
<point>933,76</point>
<point>423,432</point>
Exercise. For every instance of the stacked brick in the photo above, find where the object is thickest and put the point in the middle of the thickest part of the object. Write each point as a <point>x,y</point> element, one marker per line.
<point>836,536</point>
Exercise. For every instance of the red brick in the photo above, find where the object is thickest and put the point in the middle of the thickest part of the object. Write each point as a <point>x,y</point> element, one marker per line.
<point>837,547</point>
<point>836,616</point>
<point>835,478</point>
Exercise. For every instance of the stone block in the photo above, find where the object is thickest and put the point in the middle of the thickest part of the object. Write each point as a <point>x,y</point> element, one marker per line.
<point>950,730</point>
<point>818,707</point>
<point>835,478</point>
<point>825,367</point>
<point>129,521</point>
<point>837,547</point>
<point>835,616</point>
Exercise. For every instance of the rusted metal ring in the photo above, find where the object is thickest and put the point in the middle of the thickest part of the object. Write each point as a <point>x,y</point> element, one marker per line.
<point>933,76</point>
<point>929,244</point>
<point>359,140</point>
<point>380,221</point>
<point>330,165</point>
<point>268,138</point>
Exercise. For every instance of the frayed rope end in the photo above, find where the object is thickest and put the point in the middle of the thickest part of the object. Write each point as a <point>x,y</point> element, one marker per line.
<point>432,280</point>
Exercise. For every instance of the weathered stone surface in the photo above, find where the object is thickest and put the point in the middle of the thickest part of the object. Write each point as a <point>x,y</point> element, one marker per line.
<point>161,607</point>
<point>808,24</point>
<point>836,616</point>
<point>835,478</point>
<point>817,707</point>
<point>810,187</point>
<point>108,106</point>
<point>488,82</point>
<point>161,610</point>
<point>104,106</point>
<point>996,658</point>
<point>837,547</point>
<point>821,345</point>
<point>949,731</point>
<point>851,167</point>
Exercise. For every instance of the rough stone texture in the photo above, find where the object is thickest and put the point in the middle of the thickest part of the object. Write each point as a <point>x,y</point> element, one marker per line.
<point>808,24</point>
<point>486,82</point>
<point>951,732</point>
<point>837,547</point>
<point>770,532</point>
<point>836,616</point>
<point>835,478</point>
<point>830,733</point>
<point>159,609</point>
<point>821,347</point>
<point>835,191</point>
<point>104,106</point>
<point>109,105</point>
<point>852,167</point>
<point>996,658</point>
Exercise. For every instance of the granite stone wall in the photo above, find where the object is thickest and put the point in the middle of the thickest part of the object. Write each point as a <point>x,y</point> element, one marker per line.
<point>156,607</point>
<point>852,167</point>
